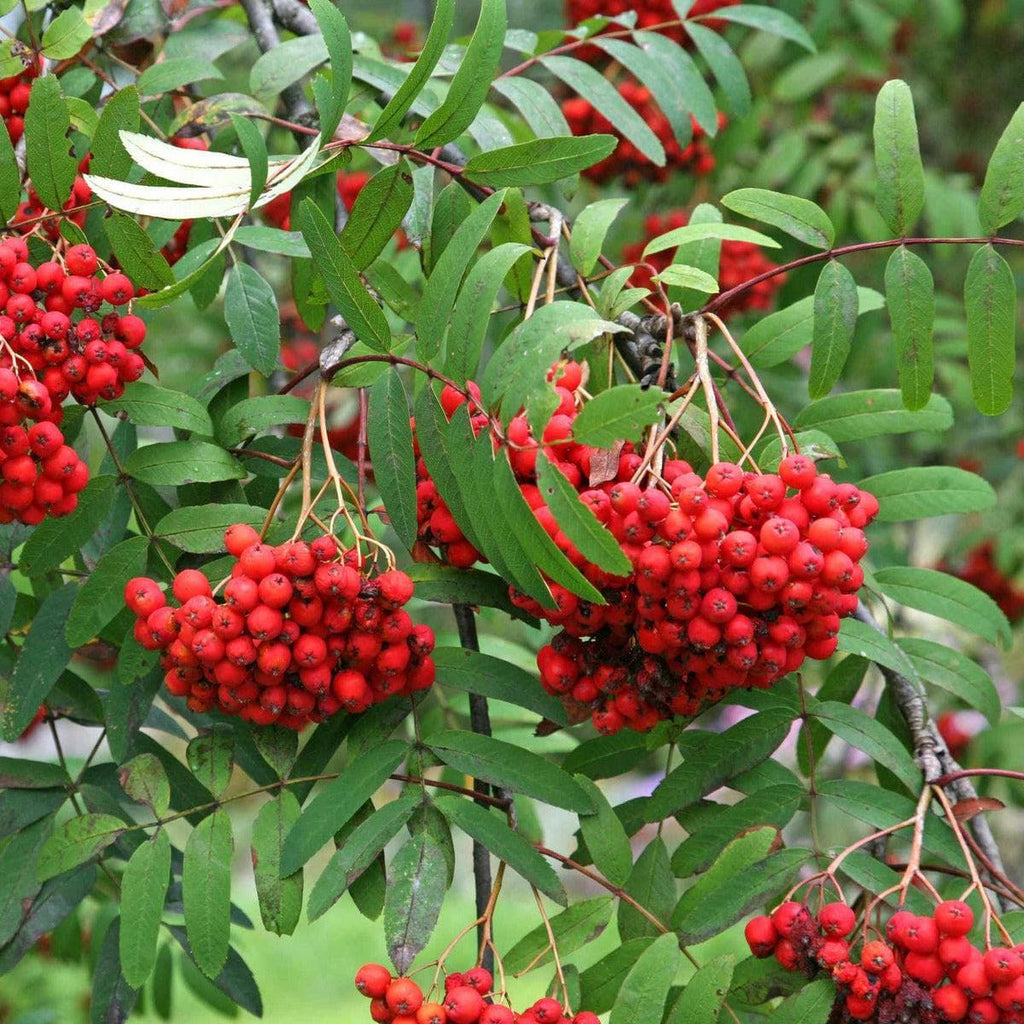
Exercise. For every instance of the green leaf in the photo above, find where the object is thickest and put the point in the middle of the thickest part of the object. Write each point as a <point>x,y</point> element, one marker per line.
<point>280,898</point>
<point>16,773</point>
<point>255,149</point>
<point>405,95</point>
<point>200,528</point>
<point>79,839</point>
<point>917,492</point>
<point>725,66</point>
<point>707,229</point>
<point>899,193</point>
<point>858,415</point>
<point>338,801</point>
<point>605,837</point>
<point>779,336</point>
<point>172,74</point>
<point>871,737</point>
<point>877,878</point>
<point>910,293</point>
<point>51,166</point>
<point>701,1000</point>
<point>510,767</point>
<point>332,96</point>
<point>346,289</point>
<point>645,991</point>
<point>683,276</point>
<point>724,756</point>
<point>938,593</point>
<point>358,851</point>
<point>278,746</point>
<point>539,161</point>
<point>712,827</point>
<point>494,678</point>
<point>589,231</point>
<point>53,540</point>
<point>651,884</point>
<point>286,63</point>
<point>746,876</point>
<point>149,405</point>
<point>767,19</point>
<point>143,889</point>
<point>211,759</point>
<point>377,213</point>
<point>469,85</point>
<point>990,297</point>
<point>253,416</point>
<point>135,249</point>
<point>447,585</point>
<point>267,239</point>
<point>863,640</point>
<point>808,1006</point>
<point>805,221</point>
<point>443,283</point>
<point>112,999</point>
<point>578,522</point>
<point>250,310</point>
<point>472,313</point>
<point>600,983</point>
<point>573,928</point>
<point>10,177</point>
<point>145,781</point>
<point>517,371</point>
<point>510,847</point>
<point>66,35</point>
<point>390,439</point>
<point>101,597</point>
<point>206,891</point>
<point>810,76</point>
<point>416,887</point>
<point>1002,193</point>
<point>182,462</point>
<point>619,412</point>
<point>589,83</point>
<point>41,660</point>
<point>538,107</point>
<point>120,113</point>
<point>953,671</point>
<point>835,318</point>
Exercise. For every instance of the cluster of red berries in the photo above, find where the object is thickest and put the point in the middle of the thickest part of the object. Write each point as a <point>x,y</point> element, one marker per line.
<point>649,12</point>
<point>981,570</point>
<point>626,160</point>
<point>14,96</point>
<point>28,213</point>
<point>278,211</point>
<point>401,1001</point>
<point>925,969</point>
<point>298,634</point>
<point>738,263</point>
<point>737,576</point>
<point>45,356</point>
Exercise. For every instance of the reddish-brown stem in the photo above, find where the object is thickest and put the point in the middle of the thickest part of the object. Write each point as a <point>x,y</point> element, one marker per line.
<point>727,296</point>
<point>964,773</point>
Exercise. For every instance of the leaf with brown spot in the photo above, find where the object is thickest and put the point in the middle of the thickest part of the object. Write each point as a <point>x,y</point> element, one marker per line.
<point>964,810</point>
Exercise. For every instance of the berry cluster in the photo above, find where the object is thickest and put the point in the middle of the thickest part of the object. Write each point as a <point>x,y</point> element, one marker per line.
<point>737,576</point>
<point>46,355</point>
<point>14,96</point>
<point>924,970</point>
<point>739,262</point>
<point>401,1001</point>
<point>649,12</point>
<point>29,211</point>
<point>626,160</point>
<point>981,570</point>
<point>299,633</point>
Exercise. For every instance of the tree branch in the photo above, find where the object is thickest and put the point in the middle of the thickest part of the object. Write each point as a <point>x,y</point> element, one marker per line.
<point>931,752</point>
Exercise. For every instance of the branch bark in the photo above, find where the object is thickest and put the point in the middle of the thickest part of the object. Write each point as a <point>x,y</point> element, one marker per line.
<point>931,752</point>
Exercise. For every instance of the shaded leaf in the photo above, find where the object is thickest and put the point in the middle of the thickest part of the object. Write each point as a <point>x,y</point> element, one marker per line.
<point>390,439</point>
<point>416,889</point>
<point>573,928</point>
<point>858,415</point>
<point>645,989</point>
<point>101,597</point>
